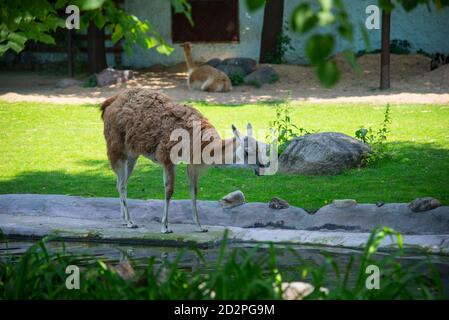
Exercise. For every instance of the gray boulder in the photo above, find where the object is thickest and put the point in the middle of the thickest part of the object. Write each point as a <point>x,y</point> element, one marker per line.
<point>265,74</point>
<point>111,76</point>
<point>247,65</point>
<point>68,82</point>
<point>231,70</point>
<point>278,203</point>
<point>321,154</point>
<point>215,62</point>
<point>424,204</point>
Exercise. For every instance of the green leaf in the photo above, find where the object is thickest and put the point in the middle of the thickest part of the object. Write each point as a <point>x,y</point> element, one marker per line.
<point>254,5</point>
<point>328,73</point>
<point>117,34</point>
<point>17,38</point>
<point>319,47</point>
<point>303,18</point>
<point>387,5</point>
<point>60,4</point>
<point>3,49</point>
<point>151,42</point>
<point>164,49</point>
<point>3,34</point>
<point>326,4</point>
<point>86,5</point>
<point>325,18</point>
<point>100,20</point>
<point>183,6</point>
<point>350,57</point>
<point>17,47</point>
<point>365,36</point>
<point>46,38</point>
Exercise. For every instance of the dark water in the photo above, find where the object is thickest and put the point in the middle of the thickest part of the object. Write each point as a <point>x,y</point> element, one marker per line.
<point>286,257</point>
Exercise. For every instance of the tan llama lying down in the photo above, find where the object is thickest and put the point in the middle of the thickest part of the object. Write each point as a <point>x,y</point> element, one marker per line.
<point>204,78</point>
<point>141,122</point>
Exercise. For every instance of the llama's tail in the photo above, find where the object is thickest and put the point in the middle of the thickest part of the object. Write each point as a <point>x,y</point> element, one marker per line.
<point>105,104</point>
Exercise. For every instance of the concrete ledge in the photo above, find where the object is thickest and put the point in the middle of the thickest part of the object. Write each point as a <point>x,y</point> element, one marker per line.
<point>98,219</point>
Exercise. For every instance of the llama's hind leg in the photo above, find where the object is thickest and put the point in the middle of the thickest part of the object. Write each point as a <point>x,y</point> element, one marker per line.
<point>193,174</point>
<point>121,170</point>
<point>207,85</point>
<point>169,184</point>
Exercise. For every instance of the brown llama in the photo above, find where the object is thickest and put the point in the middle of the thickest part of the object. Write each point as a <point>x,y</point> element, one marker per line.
<point>141,122</point>
<point>204,78</point>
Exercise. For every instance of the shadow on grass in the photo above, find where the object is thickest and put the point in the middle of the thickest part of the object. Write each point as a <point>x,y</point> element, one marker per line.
<point>416,170</point>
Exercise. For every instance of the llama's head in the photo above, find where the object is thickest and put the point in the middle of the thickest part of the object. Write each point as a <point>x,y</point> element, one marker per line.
<point>252,152</point>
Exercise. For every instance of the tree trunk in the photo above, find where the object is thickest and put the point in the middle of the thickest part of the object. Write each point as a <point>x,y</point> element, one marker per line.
<point>273,18</point>
<point>96,50</point>
<point>385,52</point>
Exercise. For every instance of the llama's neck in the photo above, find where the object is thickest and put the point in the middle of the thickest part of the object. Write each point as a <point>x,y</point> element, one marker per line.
<point>189,60</point>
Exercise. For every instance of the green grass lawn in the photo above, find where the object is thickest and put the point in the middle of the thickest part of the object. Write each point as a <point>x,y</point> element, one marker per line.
<point>60,149</point>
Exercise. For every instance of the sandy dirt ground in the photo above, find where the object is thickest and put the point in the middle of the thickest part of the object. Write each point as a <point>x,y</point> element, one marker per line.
<point>411,82</point>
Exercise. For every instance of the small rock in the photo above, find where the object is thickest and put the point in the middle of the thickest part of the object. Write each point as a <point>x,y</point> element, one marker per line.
<point>379,204</point>
<point>111,76</point>
<point>68,82</point>
<point>232,200</point>
<point>265,74</point>
<point>424,204</point>
<point>215,62</point>
<point>344,203</point>
<point>278,203</point>
<point>298,290</point>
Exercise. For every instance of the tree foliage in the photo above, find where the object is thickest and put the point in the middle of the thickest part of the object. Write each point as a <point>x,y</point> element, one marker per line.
<point>21,21</point>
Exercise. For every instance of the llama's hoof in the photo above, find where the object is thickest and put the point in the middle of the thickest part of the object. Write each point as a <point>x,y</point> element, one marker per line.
<point>201,230</point>
<point>166,230</point>
<point>131,225</point>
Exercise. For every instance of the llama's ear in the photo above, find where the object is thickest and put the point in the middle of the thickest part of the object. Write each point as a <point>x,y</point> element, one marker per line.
<point>236,133</point>
<point>249,129</point>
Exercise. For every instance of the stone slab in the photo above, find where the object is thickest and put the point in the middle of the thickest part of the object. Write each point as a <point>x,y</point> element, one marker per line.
<point>98,219</point>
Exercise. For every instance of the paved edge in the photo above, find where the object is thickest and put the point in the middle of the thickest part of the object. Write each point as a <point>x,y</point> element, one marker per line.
<point>184,236</point>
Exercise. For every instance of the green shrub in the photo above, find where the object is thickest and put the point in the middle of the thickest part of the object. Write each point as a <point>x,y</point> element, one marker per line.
<point>236,79</point>
<point>376,140</point>
<point>285,129</point>
<point>400,46</point>
<point>283,45</point>
<point>91,82</point>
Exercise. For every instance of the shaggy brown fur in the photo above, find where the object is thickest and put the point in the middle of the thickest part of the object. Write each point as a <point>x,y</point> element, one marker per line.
<point>140,122</point>
<point>204,78</point>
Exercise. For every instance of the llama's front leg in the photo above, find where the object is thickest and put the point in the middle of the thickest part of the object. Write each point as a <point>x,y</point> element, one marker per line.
<point>169,184</point>
<point>192,172</point>
<point>122,181</point>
